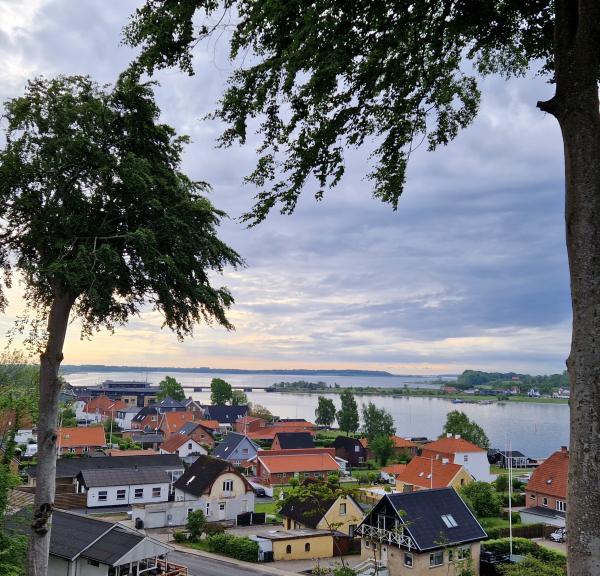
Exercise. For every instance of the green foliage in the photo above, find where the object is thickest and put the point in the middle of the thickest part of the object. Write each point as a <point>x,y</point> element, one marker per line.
<point>127,443</point>
<point>260,411</point>
<point>238,398</point>
<point>383,448</point>
<point>526,547</point>
<point>169,387</point>
<point>531,566</point>
<point>325,412</point>
<point>376,422</point>
<point>506,380</point>
<point>458,422</point>
<point>180,536</point>
<point>501,483</point>
<point>195,524</point>
<point>347,415</point>
<point>13,555</point>
<point>482,498</point>
<point>233,546</point>
<point>97,169</point>
<point>212,528</point>
<point>220,392</point>
<point>110,424</point>
<point>343,571</point>
<point>68,417</point>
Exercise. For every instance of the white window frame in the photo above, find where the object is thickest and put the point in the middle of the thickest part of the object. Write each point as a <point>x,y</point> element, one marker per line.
<point>135,493</point>
<point>463,552</point>
<point>408,559</point>
<point>102,495</point>
<point>561,505</point>
<point>437,555</point>
<point>227,485</point>
<point>121,494</point>
<point>342,509</point>
<point>155,489</point>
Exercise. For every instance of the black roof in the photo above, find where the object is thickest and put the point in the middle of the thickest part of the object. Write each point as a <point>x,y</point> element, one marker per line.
<point>169,402</point>
<point>513,454</point>
<point>145,411</point>
<point>291,440</point>
<point>308,512</point>
<point>421,513</point>
<point>228,445</point>
<point>71,467</point>
<point>201,474</point>
<point>189,427</point>
<point>124,476</point>
<point>225,414</point>
<point>113,546</point>
<point>345,442</point>
<point>545,512</point>
<point>148,437</point>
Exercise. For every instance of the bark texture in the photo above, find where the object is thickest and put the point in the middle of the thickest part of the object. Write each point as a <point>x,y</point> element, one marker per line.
<point>50,359</point>
<point>576,107</point>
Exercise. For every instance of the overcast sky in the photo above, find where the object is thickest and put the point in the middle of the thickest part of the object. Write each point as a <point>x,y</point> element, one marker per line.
<point>470,272</point>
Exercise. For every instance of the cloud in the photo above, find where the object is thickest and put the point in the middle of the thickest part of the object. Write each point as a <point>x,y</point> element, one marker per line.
<point>469,272</point>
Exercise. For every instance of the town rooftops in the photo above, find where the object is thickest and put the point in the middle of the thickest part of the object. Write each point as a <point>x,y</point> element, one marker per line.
<point>145,411</point>
<point>394,469</point>
<point>294,534</point>
<point>398,442</point>
<point>148,438</point>
<point>201,474</point>
<point>452,445</point>
<point>175,442</point>
<point>121,453</point>
<point>124,477</point>
<point>229,444</point>
<point>71,467</point>
<point>170,403</point>
<point>89,436</point>
<point>224,414</point>
<point>172,421</point>
<point>550,477</point>
<point>428,473</point>
<point>298,461</point>
<point>291,440</point>
<point>189,428</point>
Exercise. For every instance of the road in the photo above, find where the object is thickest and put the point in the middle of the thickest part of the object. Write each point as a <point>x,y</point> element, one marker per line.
<point>200,566</point>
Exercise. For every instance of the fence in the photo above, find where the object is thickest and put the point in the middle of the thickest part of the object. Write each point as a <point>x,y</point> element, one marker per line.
<point>251,518</point>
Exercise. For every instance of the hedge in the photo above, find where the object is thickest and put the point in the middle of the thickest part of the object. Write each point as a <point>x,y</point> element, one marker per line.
<point>234,547</point>
<point>524,546</point>
<point>517,499</point>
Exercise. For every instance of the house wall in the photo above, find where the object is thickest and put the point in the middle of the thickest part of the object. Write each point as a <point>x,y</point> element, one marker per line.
<point>354,455</point>
<point>190,447</point>
<point>476,463</point>
<point>111,499</point>
<point>420,567</point>
<point>243,451</point>
<point>320,547</point>
<point>83,567</point>
<point>544,500</point>
<point>79,450</point>
<point>341,522</point>
<point>58,566</point>
<point>125,422</point>
<point>462,478</point>
<point>203,437</point>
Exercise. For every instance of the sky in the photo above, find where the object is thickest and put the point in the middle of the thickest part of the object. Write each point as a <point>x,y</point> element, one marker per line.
<point>469,272</point>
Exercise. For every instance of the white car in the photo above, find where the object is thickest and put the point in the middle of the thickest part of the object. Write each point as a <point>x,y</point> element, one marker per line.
<point>559,535</point>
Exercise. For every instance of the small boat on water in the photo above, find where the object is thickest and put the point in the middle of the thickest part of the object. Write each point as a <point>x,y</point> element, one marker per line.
<point>458,401</point>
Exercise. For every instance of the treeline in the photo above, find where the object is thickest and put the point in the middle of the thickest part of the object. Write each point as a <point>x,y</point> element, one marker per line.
<point>505,380</point>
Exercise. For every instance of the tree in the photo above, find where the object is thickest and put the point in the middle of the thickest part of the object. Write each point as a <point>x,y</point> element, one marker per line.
<point>531,566</point>
<point>238,398</point>
<point>376,422</point>
<point>220,392</point>
<point>458,422</point>
<point>325,412</point>
<point>68,418</point>
<point>99,221</point>
<point>170,388</point>
<point>331,74</point>
<point>482,498</point>
<point>260,411</point>
<point>382,447</point>
<point>347,415</point>
<point>502,483</point>
<point>196,522</point>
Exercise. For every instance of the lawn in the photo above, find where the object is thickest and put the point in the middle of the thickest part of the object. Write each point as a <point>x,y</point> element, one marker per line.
<point>266,507</point>
<point>515,472</point>
<point>199,545</point>
<point>494,522</point>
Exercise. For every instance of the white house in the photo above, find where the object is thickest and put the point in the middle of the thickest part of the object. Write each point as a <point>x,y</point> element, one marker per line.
<point>123,486</point>
<point>460,451</point>
<point>184,446</point>
<point>236,449</point>
<point>124,417</point>
<point>210,485</point>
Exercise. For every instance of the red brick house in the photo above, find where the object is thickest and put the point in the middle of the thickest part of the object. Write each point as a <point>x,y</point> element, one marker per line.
<point>546,491</point>
<point>249,424</point>
<point>280,466</point>
<point>80,440</point>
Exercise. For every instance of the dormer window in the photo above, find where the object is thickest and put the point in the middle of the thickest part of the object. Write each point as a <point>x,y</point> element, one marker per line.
<point>449,521</point>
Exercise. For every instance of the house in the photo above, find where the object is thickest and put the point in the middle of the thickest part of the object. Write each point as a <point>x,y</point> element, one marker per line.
<point>124,417</point>
<point>170,405</point>
<point>194,407</point>
<point>171,422</point>
<point>390,473</point>
<point>146,439</point>
<point>279,466</point>
<point>422,533</point>
<point>236,449</point>
<point>350,449</point>
<point>226,416</point>
<point>186,448</point>
<point>425,473</point>
<point>460,451</point>
<point>342,514</point>
<point>90,547</point>
<point>546,491</point>
<point>506,458</point>
<point>249,424</point>
<point>303,544</point>
<point>98,409</point>
<point>199,432</point>
<point>401,446</point>
<point>145,419</point>
<point>123,486</point>
<point>292,441</point>
<point>80,440</point>
<point>268,433</point>
<point>210,485</point>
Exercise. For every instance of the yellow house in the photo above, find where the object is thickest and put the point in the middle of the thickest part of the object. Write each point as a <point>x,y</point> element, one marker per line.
<point>342,515</point>
<point>425,473</point>
<point>303,544</point>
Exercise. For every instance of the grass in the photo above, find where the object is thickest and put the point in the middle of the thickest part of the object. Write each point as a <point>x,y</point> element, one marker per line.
<point>199,545</point>
<point>515,472</point>
<point>493,522</point>
<point>266,507</point>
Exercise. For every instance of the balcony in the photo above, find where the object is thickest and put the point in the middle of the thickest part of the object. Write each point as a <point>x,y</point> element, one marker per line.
<point>382,536</point>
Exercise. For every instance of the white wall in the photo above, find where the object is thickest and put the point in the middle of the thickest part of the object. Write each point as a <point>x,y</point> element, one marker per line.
<point>84,568</point>
<point>476,463</point>
<point>190,447</point>
<point>58,566</point>
<point>111,500</point>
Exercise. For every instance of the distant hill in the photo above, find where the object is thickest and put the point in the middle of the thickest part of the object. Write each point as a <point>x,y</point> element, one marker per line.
<point>71,369</point>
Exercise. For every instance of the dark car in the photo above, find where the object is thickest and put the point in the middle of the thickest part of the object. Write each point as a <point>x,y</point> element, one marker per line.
<point>260,492</point>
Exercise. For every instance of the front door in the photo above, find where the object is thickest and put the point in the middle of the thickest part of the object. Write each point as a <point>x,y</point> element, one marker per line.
<point>222,510</point>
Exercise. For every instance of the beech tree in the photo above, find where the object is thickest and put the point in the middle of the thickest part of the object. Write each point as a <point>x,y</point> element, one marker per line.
<point>98,221</point>
<point>170,388</point>
<point>220,392</point>
<point>325,412</point>
<point>331,74</point>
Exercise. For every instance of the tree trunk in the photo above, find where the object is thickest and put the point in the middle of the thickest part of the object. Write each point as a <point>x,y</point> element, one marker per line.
<point>50,359</point>
<point>576,107</point>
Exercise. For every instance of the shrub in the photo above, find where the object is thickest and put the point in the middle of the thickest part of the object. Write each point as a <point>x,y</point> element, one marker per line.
<point>195,524</point>
<point>180,536</point>
<point>234,547</point>
<point>343,571</point>
<point>526,547</point>
<point>517,499</point>
<point>214,528</point>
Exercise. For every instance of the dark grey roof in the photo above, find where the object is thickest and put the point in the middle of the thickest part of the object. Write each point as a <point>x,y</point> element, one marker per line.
<point>543,511</point>
<point>201,474</point>
<point>228,445</point>
<point>169,402</point>
<point>421,513</point>
<point>148,437</point>
<point>225,414</point>
<point>145,411</point>
<point>308,512</point>
<point>113,546</point>
<point>292,440</point>
<point>71,467</point>
<point>346,442</point>
<point>124,477</point>
<point>189,427</point>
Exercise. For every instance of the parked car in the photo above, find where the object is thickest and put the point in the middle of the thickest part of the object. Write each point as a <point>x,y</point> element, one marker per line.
<point>260,492</point>
<point>559,535</point>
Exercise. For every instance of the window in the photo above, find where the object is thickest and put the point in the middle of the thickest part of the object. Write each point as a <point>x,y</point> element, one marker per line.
<point>86,449</point>
<point>408,559</point>
<point>463,552</point>
<point>189,445</point>
<point>207,509</point>
<point>189,511</point>
<point>71,450</point>
<point>342,509</point>
<point>102,496</point>
<point>436,558</point>
<point>545,502</point>
<point>449,521</point>
<point>561,505</point>
<point>351,530</point>
<point>156,492</point>
<point>93,563</point>
<point>307,547</point>
<point>228,486</point>
<point>466,458</point>
<point>121,494</point>
<point>357,448</point>
<point>288,549</point>
<point>367,544</point>
<point>222,506</point>
<point>361,459</point>
<point>139,493</point>
<point>244,450</point>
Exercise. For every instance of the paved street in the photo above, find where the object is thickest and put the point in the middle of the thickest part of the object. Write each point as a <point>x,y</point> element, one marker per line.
<point>199,566</point>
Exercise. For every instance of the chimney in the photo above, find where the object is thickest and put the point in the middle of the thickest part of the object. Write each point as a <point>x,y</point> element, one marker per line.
<point>457,436</point>
<point>449,435</point>
<point>564,449</point>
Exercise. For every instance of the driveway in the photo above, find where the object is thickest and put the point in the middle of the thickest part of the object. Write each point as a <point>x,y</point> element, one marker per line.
<point>200,566</point>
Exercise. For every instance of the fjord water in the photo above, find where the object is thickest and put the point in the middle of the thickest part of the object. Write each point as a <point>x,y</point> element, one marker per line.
<point>536,429</point>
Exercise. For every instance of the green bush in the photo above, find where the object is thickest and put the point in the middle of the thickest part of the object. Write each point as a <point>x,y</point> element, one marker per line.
<point>234,547</point>
<point>213,528</point>
<point>526,547</point>
<point>180,536</point>
<point>517,499</point>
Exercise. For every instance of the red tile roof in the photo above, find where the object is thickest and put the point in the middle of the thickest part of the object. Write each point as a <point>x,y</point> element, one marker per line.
<point>291,463</point>
<point>550,477</point>
<point>398,442</point>
<point>428,473</point>
<point>269,432</point>
<point>451,445</point>
<point>175,442</point>
<point>74,437</point>
<point>210,424</point>
<point>170,422</point>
